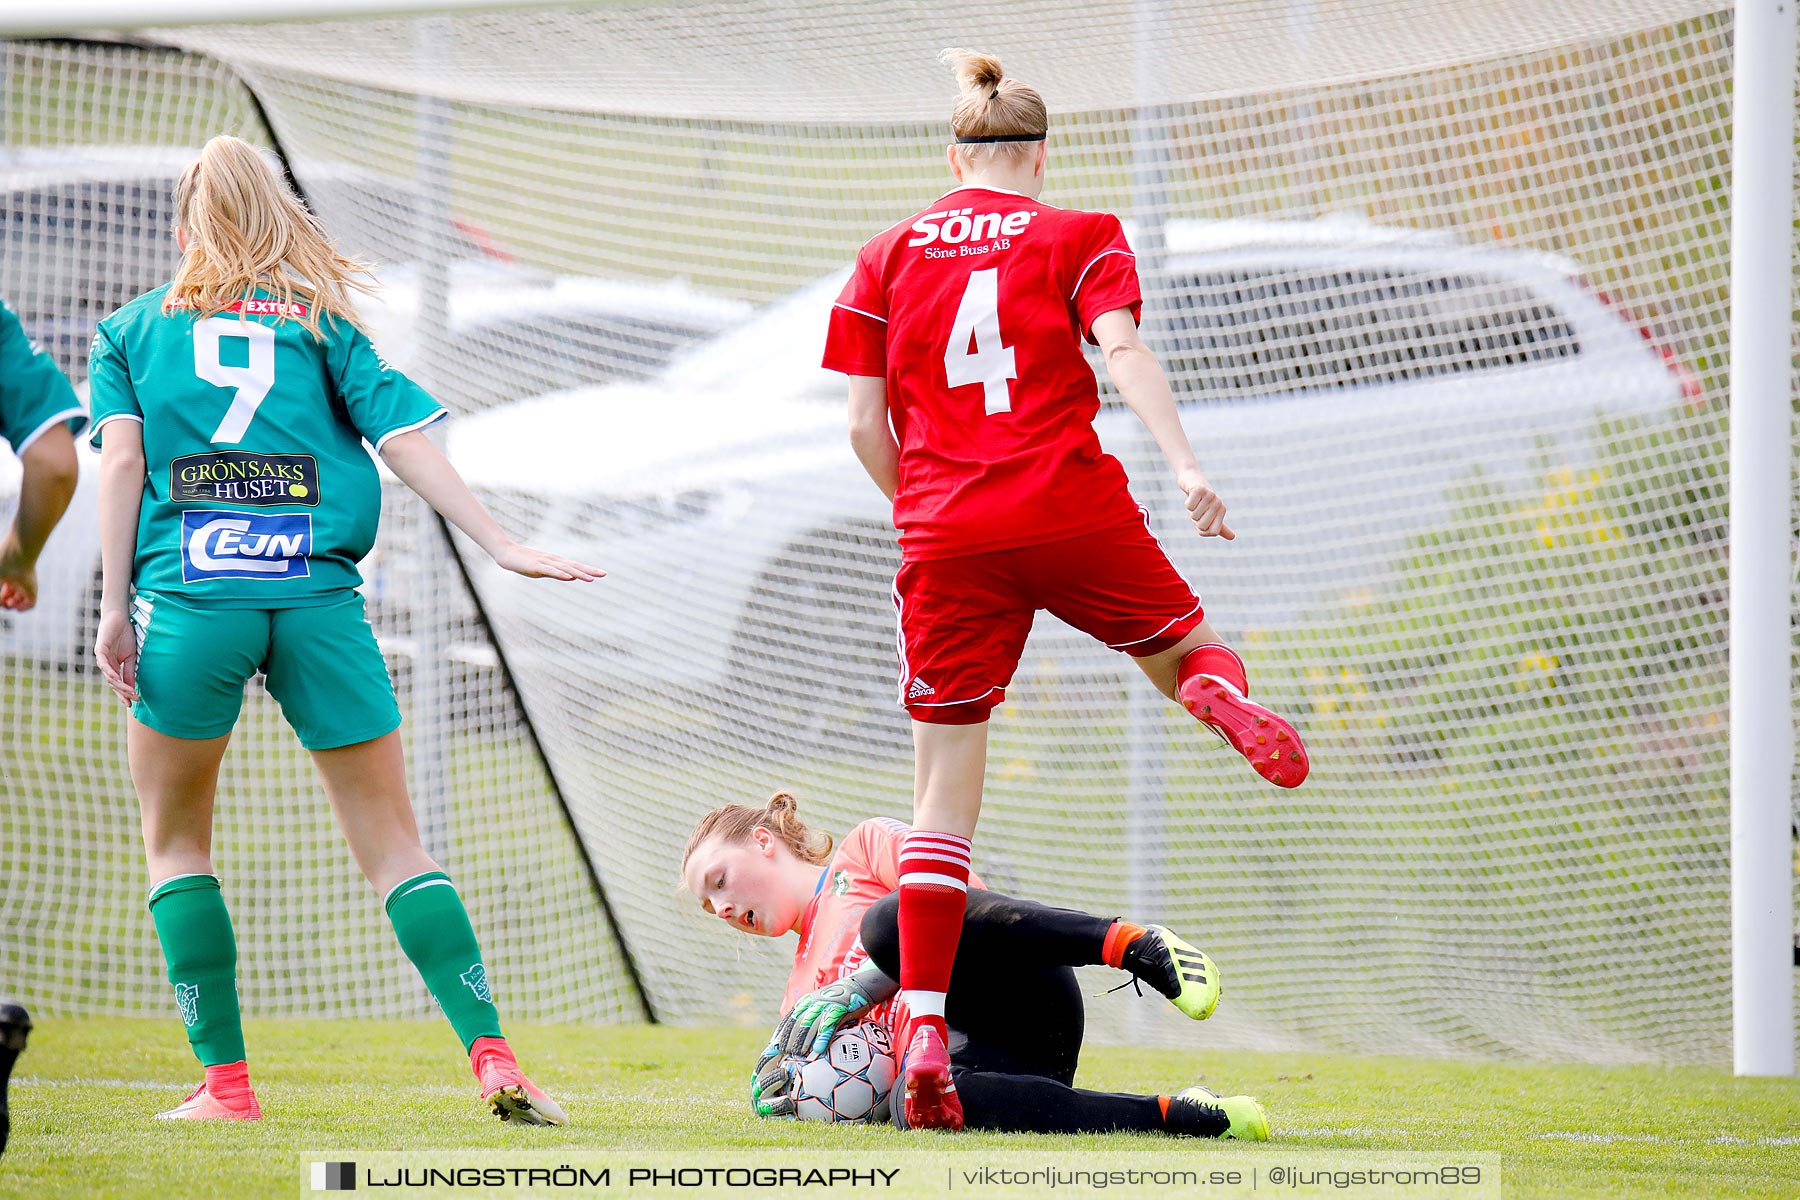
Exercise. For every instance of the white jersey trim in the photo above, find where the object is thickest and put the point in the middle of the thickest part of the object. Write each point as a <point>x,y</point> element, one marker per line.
<point>391,434</point>
<point>1184,616</point>
<point>1078,279</point>
<point>94,431</point>
<point>859,312</point>
<point>951,703</point>
<point>900,641</point>
<point>65,415</point>
<point>982,187</point>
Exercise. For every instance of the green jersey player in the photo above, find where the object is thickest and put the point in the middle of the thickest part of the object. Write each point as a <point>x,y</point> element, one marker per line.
<point>39,418</point>
<point>232,408</point>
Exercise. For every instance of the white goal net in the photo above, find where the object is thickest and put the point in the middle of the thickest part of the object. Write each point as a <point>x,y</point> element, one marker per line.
<point>1443,287</point>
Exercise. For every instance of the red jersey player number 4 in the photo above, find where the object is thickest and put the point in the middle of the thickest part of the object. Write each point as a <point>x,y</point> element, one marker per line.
<point>972,408</point>
<point>973,313</point>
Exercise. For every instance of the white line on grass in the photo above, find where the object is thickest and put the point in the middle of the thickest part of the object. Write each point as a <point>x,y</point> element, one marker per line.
<point>1654,1139</point>
<point>284,1089</point>
<point>141,1085</point>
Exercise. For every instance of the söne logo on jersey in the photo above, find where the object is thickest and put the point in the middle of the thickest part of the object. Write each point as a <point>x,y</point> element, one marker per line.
<point>954,226</point>
<point>240,477</point>
<point>238,545</point>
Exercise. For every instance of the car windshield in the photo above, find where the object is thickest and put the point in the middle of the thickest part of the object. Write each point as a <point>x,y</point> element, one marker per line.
<point>1256,331</point>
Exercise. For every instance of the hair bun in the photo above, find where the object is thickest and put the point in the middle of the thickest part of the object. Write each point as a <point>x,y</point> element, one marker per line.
<point>975,71</point>
<point>782,802</point>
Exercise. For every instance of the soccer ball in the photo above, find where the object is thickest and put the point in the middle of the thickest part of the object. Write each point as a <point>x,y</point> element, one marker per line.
<point>850,1081</point>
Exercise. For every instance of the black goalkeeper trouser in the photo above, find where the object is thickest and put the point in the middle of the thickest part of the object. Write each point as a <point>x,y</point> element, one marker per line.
<point>1016,1016</point>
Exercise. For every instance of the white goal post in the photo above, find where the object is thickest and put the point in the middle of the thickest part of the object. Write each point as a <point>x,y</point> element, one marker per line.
<point>1762,540</point>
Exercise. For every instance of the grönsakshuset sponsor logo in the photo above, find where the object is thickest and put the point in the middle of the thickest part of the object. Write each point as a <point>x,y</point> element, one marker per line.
<point>243,477</point>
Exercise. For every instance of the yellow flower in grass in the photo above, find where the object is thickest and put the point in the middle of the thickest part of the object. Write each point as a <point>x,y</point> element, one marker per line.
<point>1318,690</point>
<point>1535,668</point>
<point>1022,769</point>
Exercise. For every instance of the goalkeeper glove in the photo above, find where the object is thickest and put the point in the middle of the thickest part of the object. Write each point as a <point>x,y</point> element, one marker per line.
<point>806,1030</point>
<point>769,1082</point>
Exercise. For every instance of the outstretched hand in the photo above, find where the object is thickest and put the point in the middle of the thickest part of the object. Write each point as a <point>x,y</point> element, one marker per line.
<point>541,564</point>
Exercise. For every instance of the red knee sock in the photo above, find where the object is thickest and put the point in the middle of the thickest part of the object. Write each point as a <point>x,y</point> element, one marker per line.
<point>934,886</point>
<point>1215,659</point>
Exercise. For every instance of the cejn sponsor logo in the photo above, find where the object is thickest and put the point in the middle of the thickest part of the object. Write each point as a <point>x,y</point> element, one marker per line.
<point>962,227</point>
<point>235,545</point>
<point>240,477</point>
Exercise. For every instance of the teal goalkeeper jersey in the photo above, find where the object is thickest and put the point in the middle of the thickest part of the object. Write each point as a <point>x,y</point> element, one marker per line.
<point>34,396</point>
<point>258,489</point>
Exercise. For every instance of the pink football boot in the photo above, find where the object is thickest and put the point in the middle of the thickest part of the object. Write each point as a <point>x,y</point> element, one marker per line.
<point>510,1095</point>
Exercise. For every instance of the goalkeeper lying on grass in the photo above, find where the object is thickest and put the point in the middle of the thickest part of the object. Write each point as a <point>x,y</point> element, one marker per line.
<point>765,871</point>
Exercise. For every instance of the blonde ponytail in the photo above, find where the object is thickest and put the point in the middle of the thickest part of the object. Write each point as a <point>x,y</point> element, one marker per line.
<point>733,823</point>
<point>247,230</point>
<point>991,105</point>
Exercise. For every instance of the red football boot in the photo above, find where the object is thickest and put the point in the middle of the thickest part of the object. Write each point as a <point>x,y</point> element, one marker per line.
<point>931,1100</point>
<point>1259,734</point>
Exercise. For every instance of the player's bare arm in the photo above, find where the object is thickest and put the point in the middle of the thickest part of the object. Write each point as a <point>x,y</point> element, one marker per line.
<point>1133,368</point>
<point>871,435</point>
<point>50,474</point>
<point>121,494</point>
<point>423,468</point>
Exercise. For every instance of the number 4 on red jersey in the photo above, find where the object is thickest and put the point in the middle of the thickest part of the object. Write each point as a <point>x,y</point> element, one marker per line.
<point>973,312</point>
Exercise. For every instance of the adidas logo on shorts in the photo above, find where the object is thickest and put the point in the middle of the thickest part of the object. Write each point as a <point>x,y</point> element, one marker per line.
<point>920,688</point>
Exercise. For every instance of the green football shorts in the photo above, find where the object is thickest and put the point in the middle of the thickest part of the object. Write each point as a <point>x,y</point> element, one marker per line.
<point>321,662</point>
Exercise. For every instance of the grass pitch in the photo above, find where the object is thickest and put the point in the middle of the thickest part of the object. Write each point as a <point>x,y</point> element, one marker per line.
<point>84,1091</point>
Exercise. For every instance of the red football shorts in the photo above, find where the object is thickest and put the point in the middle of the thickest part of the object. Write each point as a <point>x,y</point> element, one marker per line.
<point>964,620</point>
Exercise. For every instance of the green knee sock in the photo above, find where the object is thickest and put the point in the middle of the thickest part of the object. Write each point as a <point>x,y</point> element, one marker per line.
<point>197,943</point>
<point>434,930</point>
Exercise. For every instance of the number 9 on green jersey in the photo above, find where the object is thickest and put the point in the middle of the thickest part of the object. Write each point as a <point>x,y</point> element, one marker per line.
<point>259,490</point>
